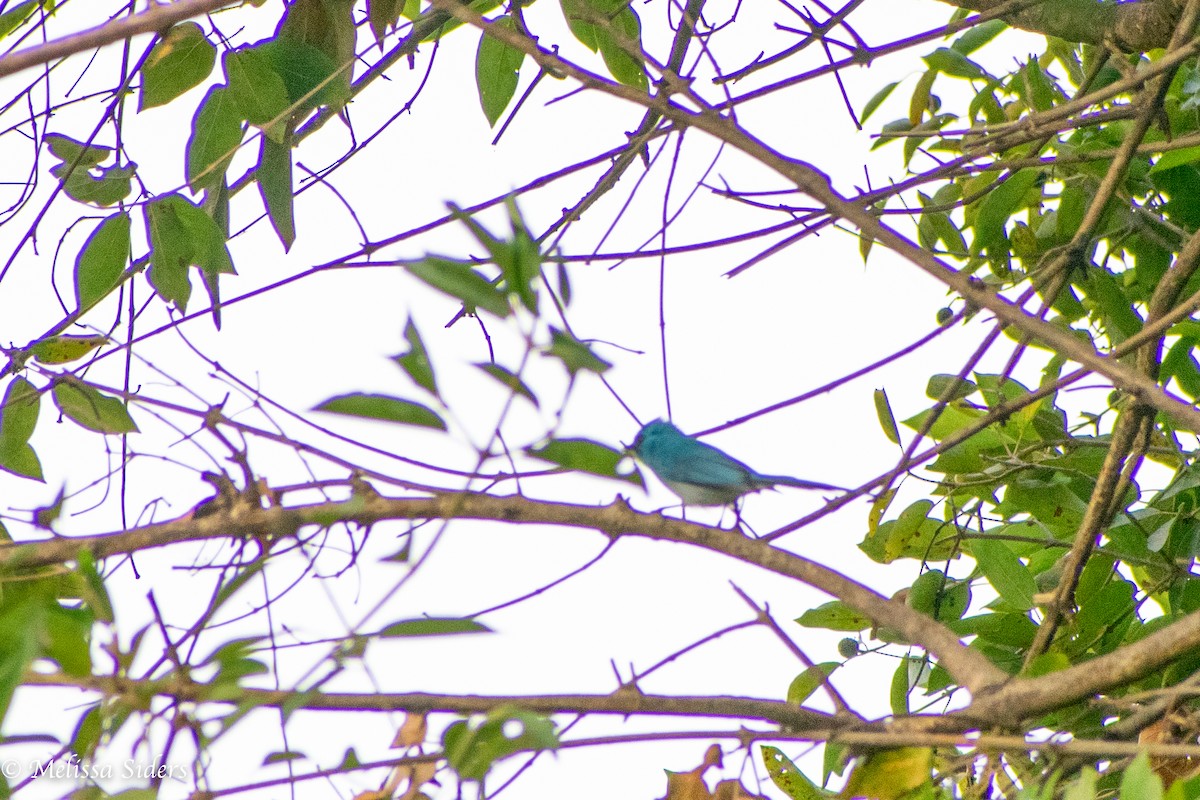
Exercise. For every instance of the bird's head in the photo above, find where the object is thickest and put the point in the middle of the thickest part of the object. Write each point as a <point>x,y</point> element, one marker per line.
<point>657,430</point>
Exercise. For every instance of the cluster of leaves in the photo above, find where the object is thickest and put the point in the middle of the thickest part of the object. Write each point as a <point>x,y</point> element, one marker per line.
<point>1013,185</point>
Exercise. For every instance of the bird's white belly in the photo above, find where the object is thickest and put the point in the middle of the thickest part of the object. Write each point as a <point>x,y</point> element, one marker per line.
<point>694,494</point>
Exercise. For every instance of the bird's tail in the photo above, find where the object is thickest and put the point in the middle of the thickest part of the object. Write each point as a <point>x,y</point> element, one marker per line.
<point>787,480</point>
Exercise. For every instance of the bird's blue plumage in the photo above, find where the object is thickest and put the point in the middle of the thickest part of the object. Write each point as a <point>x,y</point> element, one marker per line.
<point>700,473</point>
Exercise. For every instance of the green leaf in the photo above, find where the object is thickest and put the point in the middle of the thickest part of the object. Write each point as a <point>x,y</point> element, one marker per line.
<point>91,409</point>
<point>620,46</point>
<point>1111,606</point>
<point>898,695</point>
<point>45,516</point>
<point>182,235</point>
<point>952,62</point>
<point>383,14</point>
<point>257,89</point>
<point>497,71</point>
<point>1084,787</point>
<point>216,134</point>
<point>977,36</point>
<point>383,407</point>
<point>22,622</point>
<point>1140,782</point>
<point>788,777</point>
<point>459,280</point>
<point>959,388</point>
<point>274,176</point>
<point>604,25</point>
<point>877,100</point>
<point>1008,576</point>
<point>350,761</point>
<point>87,733</point>
<point>67,639</point>
<point>574,354</point>
<point>110,186</point>
<point>998,205</point>
<point>472,748</point>
<point>936,596</point>
<point>510,380</point>
<point>283,756</point>
<point>16,16</point>
<point>416,361</point>
<point>433,626</point>
<point>107,186</point>
<point>170,253</point>
<point>887,421</point>
<point>564,284</point>
<point>835,616</point>
<point>809,681</point>
<point>891,774</point>
<point>303,68</point>
<point>181,60</point>
<point>18,418</point>
<point>519,259</point>
<point>102,260</point>
<point>585,455</point>
<point>92,589</point>
<point>1180,363</point>
<point>913,534</point>
<point>70,151</point>
<point>1176,158</point>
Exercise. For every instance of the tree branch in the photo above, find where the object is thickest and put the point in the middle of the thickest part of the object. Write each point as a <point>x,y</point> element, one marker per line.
<point>157,18</point>
<point>243,520</point>
<point>1133,27</point>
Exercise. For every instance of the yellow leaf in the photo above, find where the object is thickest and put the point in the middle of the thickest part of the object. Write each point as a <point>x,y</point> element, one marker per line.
<point>890,774</point>
<point>64,349</point>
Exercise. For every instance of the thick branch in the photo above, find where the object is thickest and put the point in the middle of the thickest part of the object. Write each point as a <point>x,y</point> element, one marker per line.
<point>157,18</point>
<point>1030,697</point>
<point>968,667</point>
<point>620,702</point>
<point>1134,27</point>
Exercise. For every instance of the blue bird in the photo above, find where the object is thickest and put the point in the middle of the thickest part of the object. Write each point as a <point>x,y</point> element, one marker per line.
<point>701,474</point>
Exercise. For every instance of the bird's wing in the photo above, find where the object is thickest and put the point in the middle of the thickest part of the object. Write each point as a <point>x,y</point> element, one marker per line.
<point>703,465</point>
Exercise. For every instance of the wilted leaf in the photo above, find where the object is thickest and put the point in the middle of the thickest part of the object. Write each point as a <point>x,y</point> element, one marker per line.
<point>788,777</point>
<point>65,349</point>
